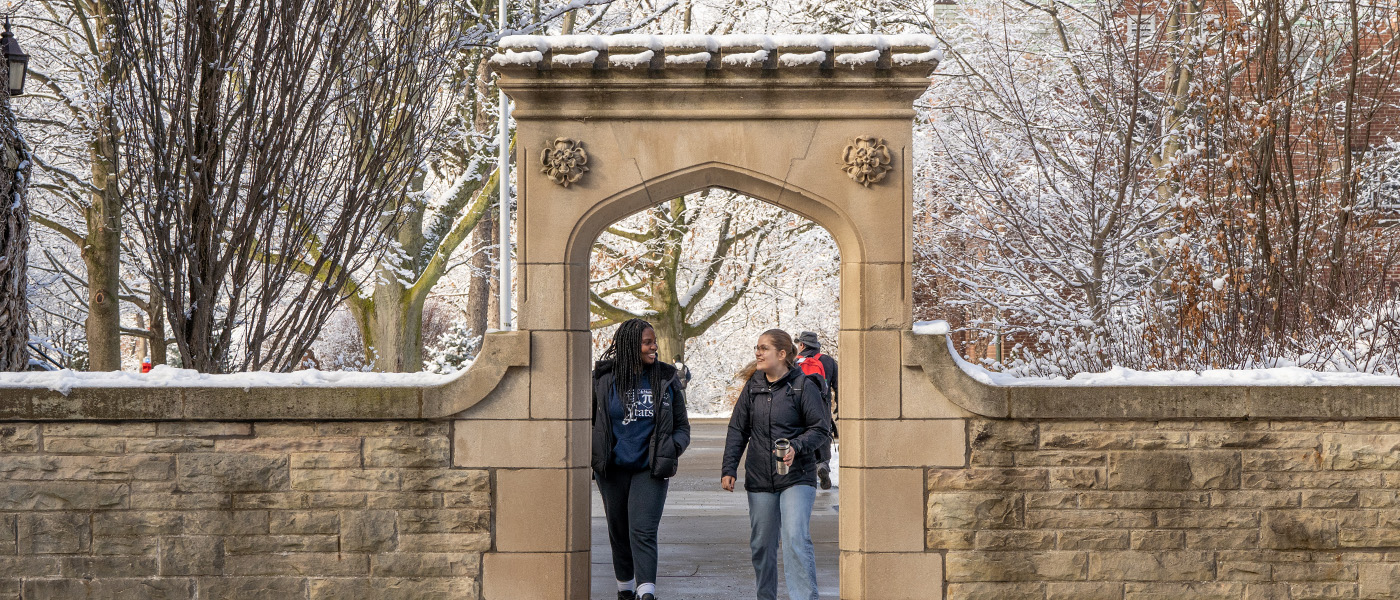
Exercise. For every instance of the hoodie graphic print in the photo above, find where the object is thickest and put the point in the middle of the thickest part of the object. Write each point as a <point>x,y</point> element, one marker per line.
<point>632,428</point>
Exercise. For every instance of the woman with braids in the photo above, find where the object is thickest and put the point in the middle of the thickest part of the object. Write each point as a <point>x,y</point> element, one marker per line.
<point>778,402</point>
<point>640,430</point>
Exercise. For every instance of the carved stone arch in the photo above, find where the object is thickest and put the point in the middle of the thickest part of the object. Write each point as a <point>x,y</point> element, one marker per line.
<point>830,215</point>
<point>771,118</point>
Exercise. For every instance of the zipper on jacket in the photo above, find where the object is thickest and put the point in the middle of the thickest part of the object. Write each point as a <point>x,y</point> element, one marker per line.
<point>656,425</point>
<point>772,464</point>
<point>655,430</point>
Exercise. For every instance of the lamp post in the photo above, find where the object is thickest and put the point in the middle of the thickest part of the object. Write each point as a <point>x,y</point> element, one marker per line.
<point>16,59</point>
<point>504,170</point>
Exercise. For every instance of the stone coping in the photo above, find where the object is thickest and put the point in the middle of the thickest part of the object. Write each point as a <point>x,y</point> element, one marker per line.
<point>934,355</point>
<point>715,78</point>
<point>499,352</point>
<point>643,54</point>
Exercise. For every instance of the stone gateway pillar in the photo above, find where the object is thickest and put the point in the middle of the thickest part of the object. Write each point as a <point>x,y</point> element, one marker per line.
<point>818,125</point>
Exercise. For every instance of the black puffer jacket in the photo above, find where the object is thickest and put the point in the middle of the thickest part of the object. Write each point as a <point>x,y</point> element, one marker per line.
<point>767,412</point>
<point>669,438</point>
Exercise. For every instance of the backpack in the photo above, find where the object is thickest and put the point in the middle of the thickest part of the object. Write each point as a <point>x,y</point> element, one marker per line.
<point>812,367</point>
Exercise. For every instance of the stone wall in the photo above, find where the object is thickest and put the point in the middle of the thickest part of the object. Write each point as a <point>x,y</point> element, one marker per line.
<point>213,510</point>
<point>1188,509</point>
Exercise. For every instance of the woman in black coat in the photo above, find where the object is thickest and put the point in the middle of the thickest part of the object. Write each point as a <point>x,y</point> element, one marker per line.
<point>778,402</point>
<point>638,437</point>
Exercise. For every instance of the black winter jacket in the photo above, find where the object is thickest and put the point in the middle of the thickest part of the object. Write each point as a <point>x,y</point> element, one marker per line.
<point>669,438</point>
<point>765,413</point>
<point>829,365</point>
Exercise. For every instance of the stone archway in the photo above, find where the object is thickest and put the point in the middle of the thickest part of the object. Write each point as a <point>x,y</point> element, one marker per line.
<point>609,126</point>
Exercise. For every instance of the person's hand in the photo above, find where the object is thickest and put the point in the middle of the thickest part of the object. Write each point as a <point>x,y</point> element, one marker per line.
<point>787,458</point>
<point>727,483</point>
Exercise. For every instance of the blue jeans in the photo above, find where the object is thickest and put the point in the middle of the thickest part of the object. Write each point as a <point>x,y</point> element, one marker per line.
<point>786,515</point>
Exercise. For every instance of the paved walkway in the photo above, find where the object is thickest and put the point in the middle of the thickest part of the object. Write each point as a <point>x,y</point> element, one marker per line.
<point>705,532</point>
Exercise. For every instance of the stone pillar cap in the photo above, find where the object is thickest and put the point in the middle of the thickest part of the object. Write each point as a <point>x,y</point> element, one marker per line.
<point>714,52</point>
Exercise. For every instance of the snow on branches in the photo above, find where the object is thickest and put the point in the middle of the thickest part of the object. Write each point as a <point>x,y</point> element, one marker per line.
<point>1164,186</point>
<point>710,271</point>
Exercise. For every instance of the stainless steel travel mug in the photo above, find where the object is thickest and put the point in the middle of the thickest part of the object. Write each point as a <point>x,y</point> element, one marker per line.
<point>780,449</point>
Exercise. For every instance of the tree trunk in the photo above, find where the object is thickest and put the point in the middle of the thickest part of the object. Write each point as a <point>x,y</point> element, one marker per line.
<point>493,293</point>
<point>157,339</point>
<point>392,327</point>
<point>670,342</point>
<point>143,344</point>
<point>102,252</point>
<point>102,257</point>
<point>14,238</point>
<point>1350,203</point>
<point>479,290</point>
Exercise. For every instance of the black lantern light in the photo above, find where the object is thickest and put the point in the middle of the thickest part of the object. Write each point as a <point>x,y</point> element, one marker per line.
<point>17,59</point>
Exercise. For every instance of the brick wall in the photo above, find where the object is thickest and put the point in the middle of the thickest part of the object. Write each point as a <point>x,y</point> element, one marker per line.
<point>1179,510</point>
<point>264,510</point>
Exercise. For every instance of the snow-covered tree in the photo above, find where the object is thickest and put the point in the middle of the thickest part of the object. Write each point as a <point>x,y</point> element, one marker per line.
<point>69,112</point>
<point>666,262</point>
<point>457,189</point>
<point>1157,185</point>
<point>266,142</point>
<point>710,271</point>
<point>454,350</point>
<point>1046,143</point>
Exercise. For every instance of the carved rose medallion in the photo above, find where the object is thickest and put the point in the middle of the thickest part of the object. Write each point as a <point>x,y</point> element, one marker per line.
<point>867,160</point>
<point>564,161</point>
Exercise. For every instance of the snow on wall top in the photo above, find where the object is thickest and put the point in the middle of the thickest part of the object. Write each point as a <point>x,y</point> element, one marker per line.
<point>65,380</point>
<point>718,51</point>
<point>1121,376</point>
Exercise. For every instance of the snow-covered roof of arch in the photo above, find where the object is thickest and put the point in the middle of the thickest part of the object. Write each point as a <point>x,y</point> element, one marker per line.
<point>715,52</point>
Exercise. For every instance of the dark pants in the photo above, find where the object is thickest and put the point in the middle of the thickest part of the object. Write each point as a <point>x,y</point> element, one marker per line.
<point>632,504</point>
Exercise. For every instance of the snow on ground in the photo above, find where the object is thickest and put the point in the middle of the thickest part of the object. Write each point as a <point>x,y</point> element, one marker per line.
<point>163,376</point>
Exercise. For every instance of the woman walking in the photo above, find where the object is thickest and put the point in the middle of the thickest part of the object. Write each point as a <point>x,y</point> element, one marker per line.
<point>779,407</point>
<point>640,430</point>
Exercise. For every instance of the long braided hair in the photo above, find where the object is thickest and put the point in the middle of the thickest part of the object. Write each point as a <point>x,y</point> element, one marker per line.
<point>626,353</point>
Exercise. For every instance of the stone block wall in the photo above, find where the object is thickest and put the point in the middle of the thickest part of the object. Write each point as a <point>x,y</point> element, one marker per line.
<point>239,510</point>
<point>1179,509</point>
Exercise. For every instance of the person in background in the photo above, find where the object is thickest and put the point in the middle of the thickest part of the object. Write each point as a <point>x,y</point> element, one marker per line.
<point>640,430</point>
<point>146,365</point>
<point>810,348</point>
<point>778,402</point>
<point>683,372</point>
